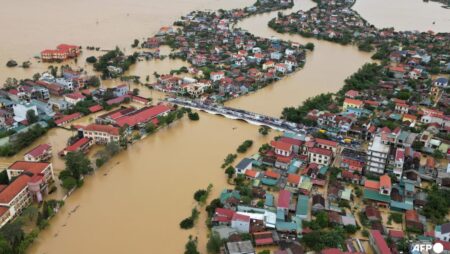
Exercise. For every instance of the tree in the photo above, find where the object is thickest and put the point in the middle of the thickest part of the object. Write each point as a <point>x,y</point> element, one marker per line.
<point>396,217</point>
<point>438,154</point>
<point>31,116</point>
<point>191,246</point>
<point>187,223</point>
<point>199,194</point>
<point>136,91</point>
<point>135,43</point>
<point>11,83</point>
<point>438,205</point>
<point>318,240</point>
<point>36,76</point>
<point>193,116</point>
<point>264,130</point>
<point>91,59</point>
<point>78,164</point>
<point>244,146</point>
<point>93,81</point>
<point>214,243</point>
<point>11,63</point>
<point>26,64</point>
<point>322,219</point>
<point>30,212</point>
<point>230,171</point>
<point>13,233</point>
<point>150,128</point>
<point>309,46</point>
<point>350,229</point>
<point>4,246</point>
<point>112,148</point>
<point>69,183</point>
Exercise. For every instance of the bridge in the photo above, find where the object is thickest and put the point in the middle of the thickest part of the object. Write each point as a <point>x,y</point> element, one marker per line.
<point>239,114</point>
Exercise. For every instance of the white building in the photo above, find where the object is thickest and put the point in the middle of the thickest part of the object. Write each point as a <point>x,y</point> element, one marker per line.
<point>241,223</point>
<point>320,156</point>
<point>217,76</point>
<point>377,156</point>
<point>20,111</point>
<point>14,198</point>
<point>399,161</point>
<point>66,83</point>
<point>102,134</point>
<point>442,232</point>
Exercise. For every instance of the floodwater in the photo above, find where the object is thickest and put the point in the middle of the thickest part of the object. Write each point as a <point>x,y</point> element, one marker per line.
<point>135,202</point>
<point>405,14</point>
<point>324,70</point>
<point>27,26</point>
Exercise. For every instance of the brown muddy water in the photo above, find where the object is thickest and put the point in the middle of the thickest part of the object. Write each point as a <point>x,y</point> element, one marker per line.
<point>405,14</point>
<point>135,202</point>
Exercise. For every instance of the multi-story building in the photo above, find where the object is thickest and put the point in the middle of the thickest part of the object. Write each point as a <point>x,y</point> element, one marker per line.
<point>101,134</point>
<point>281,148</point>
<point>320,156</point>
<point>352,103</point>
<point>34,168</point>
<point>377,156</point>
<point>62,52</point>
<point>327,144</point>
<point>42,152</point>
<point>399,161</point>
<point>14,198</point>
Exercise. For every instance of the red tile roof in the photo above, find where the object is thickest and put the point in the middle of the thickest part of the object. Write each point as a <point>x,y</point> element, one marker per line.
<point>385,181</point>
<point>240,217</point>
<point>272,174</point>
<point>103,128</point>
<point>284,199</point>
<point>74,147</point>
<point>291,141</point>
<point>372,212</point>
<point>411,215</point>
<point>251,173</point>
<point>281,145</point>
<point>370,184</point>
<point>223,215</point>
<point>95,108</point>
<point>331,251</point>
<point>3,210</point>
<point>380,242</point>
<point>143,115</point>
<point>293,178</point>
<point>75,96</point>
<point>68,118</point>
<point>321,151</point>
<point>14,188</point>
<point>353,101</point>
<point>38,150</point>
<point>326,142</point>
<point>351,93</point>
<point>32,167</point>
<point>396,233</point>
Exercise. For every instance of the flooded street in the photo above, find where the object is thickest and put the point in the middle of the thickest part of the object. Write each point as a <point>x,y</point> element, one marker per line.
<point>135,202</point>
<point>405,14</point>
